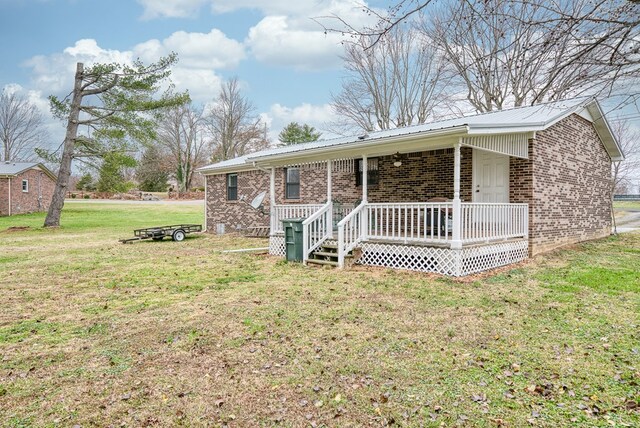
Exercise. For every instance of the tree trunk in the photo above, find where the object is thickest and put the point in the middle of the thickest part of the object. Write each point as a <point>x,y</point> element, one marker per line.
<point>59,193</point>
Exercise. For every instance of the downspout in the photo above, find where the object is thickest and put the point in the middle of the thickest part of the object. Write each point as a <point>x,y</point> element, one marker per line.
<point>205,203</point>
<point>9,178</point>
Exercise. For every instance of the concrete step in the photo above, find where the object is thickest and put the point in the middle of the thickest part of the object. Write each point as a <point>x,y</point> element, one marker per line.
<point>322,262</point>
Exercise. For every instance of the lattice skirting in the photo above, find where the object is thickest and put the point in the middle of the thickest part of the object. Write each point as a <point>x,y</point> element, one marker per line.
<point>276,245</point>
<point>444,261</point>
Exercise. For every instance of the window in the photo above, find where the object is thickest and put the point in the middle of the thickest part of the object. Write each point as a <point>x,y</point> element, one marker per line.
<point>372,172</point>
<point>232,187</point>
<point>25,185</point>
<point>292,176</point>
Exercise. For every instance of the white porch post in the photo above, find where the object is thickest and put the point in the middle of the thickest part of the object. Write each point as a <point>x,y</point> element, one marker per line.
<point>329,167</point>
<point>272,200</point>
<point>365,165</point>
<point>456,238</point>
<point>364,222</point>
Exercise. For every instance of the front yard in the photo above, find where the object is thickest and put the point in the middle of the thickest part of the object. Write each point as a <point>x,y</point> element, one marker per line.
<point>96,333</point>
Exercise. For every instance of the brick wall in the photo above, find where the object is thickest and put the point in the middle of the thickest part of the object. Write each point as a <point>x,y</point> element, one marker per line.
<point>571,186</point>
<point>38,197</point>
<point>422,176</point>
<point>4,196</point>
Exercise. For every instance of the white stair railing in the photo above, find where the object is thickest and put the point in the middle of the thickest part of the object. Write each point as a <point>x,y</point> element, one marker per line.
<point>351,231</point>
<point>316,229</point>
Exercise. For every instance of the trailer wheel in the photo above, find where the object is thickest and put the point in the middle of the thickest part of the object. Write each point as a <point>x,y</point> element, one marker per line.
<point>178,235</point>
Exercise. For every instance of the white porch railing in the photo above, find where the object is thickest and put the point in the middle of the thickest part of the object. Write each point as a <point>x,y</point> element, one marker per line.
<point>316,229</point>
<point>410,222</point>
<point>281,212</point>
<point>482,222</point>
<point>431,223</point>
<point>351,231</point>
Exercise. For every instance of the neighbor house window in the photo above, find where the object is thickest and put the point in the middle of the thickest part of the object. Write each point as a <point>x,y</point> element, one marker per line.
<point>232,187</point>
<point>292,176</point>
<point>372,172</point>
<point>25,185</point>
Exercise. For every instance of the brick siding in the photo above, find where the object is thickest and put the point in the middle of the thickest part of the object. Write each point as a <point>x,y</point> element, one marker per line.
<point>571,180</point>
<point>38,197</point>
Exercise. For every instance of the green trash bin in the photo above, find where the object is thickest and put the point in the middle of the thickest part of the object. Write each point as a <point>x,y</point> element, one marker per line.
<point>293,238</point>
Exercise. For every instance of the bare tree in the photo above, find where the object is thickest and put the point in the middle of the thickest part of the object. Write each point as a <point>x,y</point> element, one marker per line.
<point>399,81</point>
<point>511,53</point>
<point>516,52</point>
<point>21,127</point>
<point>232,125</point>
<point>181,134</point>
<point>623,173</point>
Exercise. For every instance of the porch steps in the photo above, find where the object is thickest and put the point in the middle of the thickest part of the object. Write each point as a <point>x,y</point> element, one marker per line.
<point>326,255</point>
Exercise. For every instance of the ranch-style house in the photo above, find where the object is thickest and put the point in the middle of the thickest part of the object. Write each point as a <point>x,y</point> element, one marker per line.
<point>453,197</point>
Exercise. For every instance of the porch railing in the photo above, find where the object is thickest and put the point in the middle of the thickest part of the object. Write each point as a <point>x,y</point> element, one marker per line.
<point>351,231</point>
<point>316,229</point>
<point>483,222</point>
<point>410,222</point>
<point>281,212</point>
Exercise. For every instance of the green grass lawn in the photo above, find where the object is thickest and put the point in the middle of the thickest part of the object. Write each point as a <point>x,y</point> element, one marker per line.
<point>97,333</point>
<point>622,205</point>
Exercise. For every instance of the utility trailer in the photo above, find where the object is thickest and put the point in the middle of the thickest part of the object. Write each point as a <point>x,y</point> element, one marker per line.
<point>177,232</point>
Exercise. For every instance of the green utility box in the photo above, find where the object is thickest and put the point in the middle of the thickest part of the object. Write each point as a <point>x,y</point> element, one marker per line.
<point>293,238</point>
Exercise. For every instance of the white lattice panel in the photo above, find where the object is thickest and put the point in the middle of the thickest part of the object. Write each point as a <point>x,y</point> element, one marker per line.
<point>478,259</point>
<point>277,246</point>
<point>397,256</point>
<point>444,261</point>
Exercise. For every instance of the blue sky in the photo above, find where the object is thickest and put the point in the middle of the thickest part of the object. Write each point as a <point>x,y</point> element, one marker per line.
<point>287,65</point>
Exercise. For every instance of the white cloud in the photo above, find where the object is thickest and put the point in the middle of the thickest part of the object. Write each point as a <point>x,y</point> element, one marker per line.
<point>200,56</point>
<point>196,50</point>
<point>274,42</point>
<point>280,116</point>
<point>170,8</point>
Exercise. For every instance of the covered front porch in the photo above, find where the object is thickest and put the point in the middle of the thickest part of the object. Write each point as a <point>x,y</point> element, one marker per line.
<point>448,235</point>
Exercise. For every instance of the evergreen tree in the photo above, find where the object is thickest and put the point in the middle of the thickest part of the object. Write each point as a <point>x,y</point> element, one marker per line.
<point>294,133</point>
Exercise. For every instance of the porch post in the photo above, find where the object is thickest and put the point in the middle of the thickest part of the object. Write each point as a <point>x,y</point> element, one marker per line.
<point>456,238</point>
<point>365,166</point>
<point>364,222</point>
<point>272,200</point>
<point>329,167</point>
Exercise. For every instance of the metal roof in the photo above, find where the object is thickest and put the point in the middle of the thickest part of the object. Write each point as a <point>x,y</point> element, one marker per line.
<point>15,168</point>
<point>520,119</point>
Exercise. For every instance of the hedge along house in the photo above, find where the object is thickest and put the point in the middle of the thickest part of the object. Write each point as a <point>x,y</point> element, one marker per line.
<point>454,197</point>
<point>25,187</point>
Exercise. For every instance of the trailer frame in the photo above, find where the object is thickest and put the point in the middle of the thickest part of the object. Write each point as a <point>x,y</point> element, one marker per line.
<point>177,232</point>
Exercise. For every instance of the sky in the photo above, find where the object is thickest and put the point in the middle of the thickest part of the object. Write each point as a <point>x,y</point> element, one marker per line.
<point>287,65</point>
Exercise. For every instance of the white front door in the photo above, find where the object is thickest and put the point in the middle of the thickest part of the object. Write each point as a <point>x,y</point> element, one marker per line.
<point>490,177</point>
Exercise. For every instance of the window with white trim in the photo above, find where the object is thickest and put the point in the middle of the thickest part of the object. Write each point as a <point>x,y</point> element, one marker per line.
<point>25,186</point>
<point>292,179</point>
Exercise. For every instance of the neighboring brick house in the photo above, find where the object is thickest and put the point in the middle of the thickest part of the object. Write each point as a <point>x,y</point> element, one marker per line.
<point>454,197</point>
<point>25,187</point>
